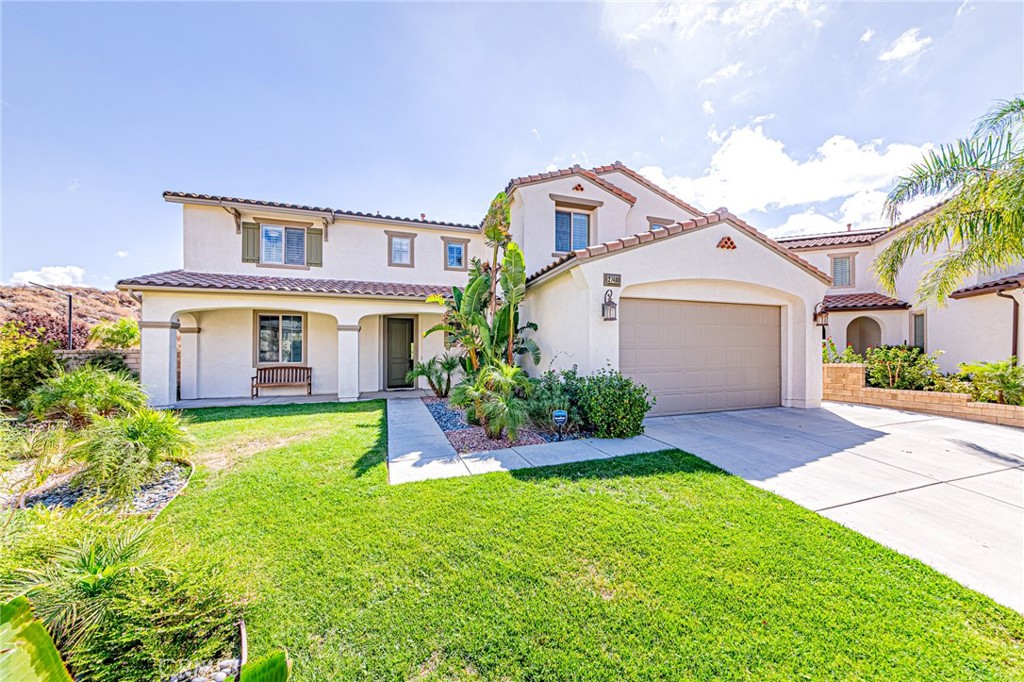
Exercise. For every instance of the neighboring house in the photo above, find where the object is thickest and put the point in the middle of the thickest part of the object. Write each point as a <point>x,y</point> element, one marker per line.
<point>977,323</point>
<point>710,313</point>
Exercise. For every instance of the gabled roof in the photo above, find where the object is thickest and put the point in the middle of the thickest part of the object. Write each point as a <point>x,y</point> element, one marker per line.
<point>189,197</point>
<point>564,172</point>
<point>865,301</point>
<point>185,279</point>
<point>867,236</point>
<point>665,194</point>
<point>1008,282</point>
<point>833,239</point>
<point>658,233</point>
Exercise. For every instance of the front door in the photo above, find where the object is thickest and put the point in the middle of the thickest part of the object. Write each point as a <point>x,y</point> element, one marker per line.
<point>399,343</point>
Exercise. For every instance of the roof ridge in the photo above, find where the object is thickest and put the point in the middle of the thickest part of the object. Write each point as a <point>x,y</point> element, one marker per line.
<point>575,169</point>
<point>658,189</point>
<point>316,209</point>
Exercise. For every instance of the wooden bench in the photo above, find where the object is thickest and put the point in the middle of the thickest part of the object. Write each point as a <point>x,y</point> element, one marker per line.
<point>282,376</point>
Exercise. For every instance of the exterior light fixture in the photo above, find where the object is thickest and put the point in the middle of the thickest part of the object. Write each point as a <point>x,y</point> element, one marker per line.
<point>821,317</point>
<point>609,309</point>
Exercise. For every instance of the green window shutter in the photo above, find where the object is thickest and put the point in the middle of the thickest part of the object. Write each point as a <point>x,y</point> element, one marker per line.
<point>250,243</point>
<point>314,248</point>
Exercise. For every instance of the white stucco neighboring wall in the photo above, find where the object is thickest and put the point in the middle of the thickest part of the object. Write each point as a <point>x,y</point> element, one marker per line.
<point>686,267</point>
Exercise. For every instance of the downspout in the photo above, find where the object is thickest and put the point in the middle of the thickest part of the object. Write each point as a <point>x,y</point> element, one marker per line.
<point>1016,319</point>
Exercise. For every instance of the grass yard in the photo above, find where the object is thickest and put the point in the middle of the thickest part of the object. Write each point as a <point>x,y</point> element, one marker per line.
<point>655,566</point>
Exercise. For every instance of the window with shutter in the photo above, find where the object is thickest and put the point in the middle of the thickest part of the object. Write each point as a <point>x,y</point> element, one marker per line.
<point>314,248</point>
<point>842,275</point>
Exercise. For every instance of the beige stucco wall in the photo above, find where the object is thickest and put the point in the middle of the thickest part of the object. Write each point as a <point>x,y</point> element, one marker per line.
<point>685,267</point>
<point>353,250</point>
<point>344,341</point>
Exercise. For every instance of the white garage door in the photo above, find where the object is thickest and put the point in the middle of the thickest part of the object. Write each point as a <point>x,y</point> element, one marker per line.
<point>701,357</point>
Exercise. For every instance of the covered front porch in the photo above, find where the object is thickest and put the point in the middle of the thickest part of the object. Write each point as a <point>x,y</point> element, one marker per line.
<point>202,349</point>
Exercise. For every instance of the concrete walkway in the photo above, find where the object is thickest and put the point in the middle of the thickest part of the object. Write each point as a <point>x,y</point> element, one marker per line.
<point>945,491</point>
<point>418,450</point>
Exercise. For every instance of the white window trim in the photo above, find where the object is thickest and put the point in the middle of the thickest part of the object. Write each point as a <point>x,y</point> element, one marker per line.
<point>591,221</point>
<point>284,226</point>
<point>256,314</point>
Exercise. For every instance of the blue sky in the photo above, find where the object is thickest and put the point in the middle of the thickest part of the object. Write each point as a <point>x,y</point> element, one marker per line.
<point>794,115</point>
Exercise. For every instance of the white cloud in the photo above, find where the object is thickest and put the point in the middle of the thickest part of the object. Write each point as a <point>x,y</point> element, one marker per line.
<point>762,118</point>
<point>868,34</point>
<point>907,45</point>
<point>536,133</point>
<point>50,274</point>
<point>708,107</point>
<point>964,8</point>
<point>121,254</point>
<point>74,185</point>
<point>723,73</point>
<point>752,172</point>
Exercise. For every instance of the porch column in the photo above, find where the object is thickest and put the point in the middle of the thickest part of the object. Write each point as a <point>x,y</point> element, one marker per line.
<point>159,362</point>
<point>189,362</point>
<point>348,361</point>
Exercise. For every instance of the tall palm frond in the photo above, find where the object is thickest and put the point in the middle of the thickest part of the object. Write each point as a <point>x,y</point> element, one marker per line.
<point>981,224</point>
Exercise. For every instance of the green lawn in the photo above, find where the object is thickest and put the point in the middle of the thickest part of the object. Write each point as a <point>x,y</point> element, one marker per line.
<point>655,566</point>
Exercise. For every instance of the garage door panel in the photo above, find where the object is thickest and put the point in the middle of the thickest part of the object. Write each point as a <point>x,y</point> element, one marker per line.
<point>697,356</point>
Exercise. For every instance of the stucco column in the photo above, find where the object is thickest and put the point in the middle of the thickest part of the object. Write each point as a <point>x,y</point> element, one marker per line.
<point>189,362</point>
<point>159,372</point>
<point>348,361</point>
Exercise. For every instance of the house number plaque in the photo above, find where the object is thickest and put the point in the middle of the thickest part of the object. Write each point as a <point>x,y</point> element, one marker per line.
<point>612,279</point>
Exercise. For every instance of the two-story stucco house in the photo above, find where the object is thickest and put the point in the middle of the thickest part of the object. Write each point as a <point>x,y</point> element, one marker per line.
<point>981,321</point>
<point>709,313</point>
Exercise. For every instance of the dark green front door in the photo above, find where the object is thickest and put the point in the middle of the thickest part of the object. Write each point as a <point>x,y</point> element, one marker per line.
<point>399,344</point>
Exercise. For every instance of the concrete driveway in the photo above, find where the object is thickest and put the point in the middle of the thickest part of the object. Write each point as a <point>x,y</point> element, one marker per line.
<point>945,491</point>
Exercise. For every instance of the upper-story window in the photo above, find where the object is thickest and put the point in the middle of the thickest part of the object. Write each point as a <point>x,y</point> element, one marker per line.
<point>283,245</point>
<point>401,249</point>
<point>455,257</point>
<point>842,271</point>
<point>572,230</point>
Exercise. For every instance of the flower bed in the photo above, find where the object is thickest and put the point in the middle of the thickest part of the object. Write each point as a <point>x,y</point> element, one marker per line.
<point>150,498</point>
<point>465,437</point>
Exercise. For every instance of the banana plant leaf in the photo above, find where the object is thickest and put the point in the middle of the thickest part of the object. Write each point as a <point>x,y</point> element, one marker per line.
<point>275,667</point>
<point>27,652</point>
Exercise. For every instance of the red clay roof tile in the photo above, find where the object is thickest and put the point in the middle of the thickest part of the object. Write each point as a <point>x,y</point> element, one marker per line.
<point>863,301</point>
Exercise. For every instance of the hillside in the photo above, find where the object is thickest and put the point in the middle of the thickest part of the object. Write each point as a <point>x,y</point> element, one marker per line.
<point>90,305</point>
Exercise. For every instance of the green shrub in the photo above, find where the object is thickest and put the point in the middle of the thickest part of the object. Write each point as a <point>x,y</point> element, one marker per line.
<point>159,622</point>
<point>438,373</point>
<point>952,383</point>
<point>997,382</point>
<point>901,367</point>
<point>112,362</point>
<point>26,361</point>
<point>829,353</point>
<point>556,390</point>
<point>495,397</point>
<point>123,452</point>
<point>87,392</point>
<point>124,333</point>
<point>614,406</point>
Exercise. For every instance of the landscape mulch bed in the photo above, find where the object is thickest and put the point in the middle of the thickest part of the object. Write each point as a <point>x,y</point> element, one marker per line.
<point>465,437</point>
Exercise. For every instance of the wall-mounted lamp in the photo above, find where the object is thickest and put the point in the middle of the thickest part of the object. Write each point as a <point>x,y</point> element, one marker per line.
<point>609,309</point>
<point>821,317</point>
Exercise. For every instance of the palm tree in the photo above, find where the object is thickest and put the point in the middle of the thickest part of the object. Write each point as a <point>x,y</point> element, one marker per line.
<point>981,221</point>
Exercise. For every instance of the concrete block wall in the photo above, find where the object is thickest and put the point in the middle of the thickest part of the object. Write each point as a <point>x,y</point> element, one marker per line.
<point>846,383</point>
<point>73,359</point>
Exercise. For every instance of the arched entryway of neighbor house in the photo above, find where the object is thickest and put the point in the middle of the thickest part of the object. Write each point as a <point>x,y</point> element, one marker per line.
<point>863,333</point>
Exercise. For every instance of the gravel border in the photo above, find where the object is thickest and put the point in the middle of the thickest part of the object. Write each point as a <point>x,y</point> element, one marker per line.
<point>475,440</point>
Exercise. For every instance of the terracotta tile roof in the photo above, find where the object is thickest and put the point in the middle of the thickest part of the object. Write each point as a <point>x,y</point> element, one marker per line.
<point>338,287</point>
<point>1008,282</point>
<point>866,301</point>
<point>564,172</point>
<point>625,170</point>
<point>642,238</point>
<point>831,239</point>
<point>213,198</point>
<point>868,236</point>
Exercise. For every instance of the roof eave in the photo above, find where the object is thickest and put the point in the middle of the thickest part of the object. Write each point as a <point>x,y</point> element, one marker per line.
<point>262,292</point>
<point>981,291</point>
